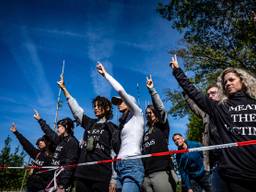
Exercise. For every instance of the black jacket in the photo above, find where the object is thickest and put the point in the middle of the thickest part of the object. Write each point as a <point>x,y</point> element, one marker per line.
<point>235,120</point>
<point>156,138</point>
<point>210,134</point>
<point>41,158</point>
<point>66,153</point>
<point>105,137</point>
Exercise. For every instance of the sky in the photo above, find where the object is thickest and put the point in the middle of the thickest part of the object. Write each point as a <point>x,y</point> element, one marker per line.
<point>128,36</point>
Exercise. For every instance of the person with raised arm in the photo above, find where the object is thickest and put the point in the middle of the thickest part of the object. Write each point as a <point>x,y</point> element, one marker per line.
<point>130,172</point>
<point>42,156</point>
<point>234,117</point>
<point>100,137</point>
<point>66,152</point>
<point>156,139</point>
<point>209,136</point>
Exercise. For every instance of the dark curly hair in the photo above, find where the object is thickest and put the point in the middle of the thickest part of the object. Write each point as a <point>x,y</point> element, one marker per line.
<point>105,104</point>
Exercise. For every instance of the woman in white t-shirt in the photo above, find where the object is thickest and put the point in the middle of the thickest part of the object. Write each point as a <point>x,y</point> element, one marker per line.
<point>130,172</point>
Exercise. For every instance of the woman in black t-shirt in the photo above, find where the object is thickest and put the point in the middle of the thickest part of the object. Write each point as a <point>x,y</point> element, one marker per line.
<point>66,152</point>
<point>100,137</point>
<point>157,169</point>
<point>235,119</point>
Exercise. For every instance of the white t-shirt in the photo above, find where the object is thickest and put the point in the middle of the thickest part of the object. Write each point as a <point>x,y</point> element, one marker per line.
<point>133,130</point>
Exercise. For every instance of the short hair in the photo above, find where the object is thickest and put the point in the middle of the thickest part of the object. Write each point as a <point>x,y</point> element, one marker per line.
<point>211,86</point>
<point>175,134</point>
<point>105,104</point>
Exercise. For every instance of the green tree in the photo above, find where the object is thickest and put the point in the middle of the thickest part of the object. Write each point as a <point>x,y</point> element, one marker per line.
<point>216,35</point>
<point>11,179</point>
<point>195,128</point>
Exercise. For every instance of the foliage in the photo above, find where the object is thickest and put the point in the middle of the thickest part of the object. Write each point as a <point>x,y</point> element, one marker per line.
<point>216,35</point>
<point>195,128</point>
<point>11,179</point>
<point>179,108</point>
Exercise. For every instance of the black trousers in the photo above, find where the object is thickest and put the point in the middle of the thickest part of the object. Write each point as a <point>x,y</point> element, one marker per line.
<point>231,185</point>
<point>201,183</point>
<point>85,185</point>
<point>36,183</point>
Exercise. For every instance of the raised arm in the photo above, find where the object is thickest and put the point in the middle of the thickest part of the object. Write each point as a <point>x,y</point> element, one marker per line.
<point>76,109</point>
<point>156,100</point>
<point>27,146</point>
<point>53,136</point>
<point>197,96</point>
<point>120,90</point>
<point>193,107</point>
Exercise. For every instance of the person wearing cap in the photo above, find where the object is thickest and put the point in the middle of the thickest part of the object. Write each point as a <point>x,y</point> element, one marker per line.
<point>42,156</point>
<point>158,177</point>
<point>100,137</point>
<point>66,152</point>
<point>130,172</point>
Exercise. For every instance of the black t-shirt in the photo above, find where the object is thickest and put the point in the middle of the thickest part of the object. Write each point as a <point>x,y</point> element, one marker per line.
<point>101,138</point>
<point>156,140</point>
<point>66,153</point>
<point>235,120</point>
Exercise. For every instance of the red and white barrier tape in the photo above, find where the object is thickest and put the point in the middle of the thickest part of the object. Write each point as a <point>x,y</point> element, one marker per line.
<point>205,148</point>
<point>54,180</point>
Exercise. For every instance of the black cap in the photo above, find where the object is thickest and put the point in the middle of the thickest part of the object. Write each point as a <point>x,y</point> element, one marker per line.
<point>116,100</point>
<point>44,138</point>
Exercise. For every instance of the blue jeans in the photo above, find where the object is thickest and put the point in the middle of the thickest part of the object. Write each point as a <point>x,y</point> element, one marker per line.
<point>200,183</point>
<point>130,174</point>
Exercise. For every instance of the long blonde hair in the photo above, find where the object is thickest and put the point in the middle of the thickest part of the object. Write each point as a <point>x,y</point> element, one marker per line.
<point>247,79</point>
